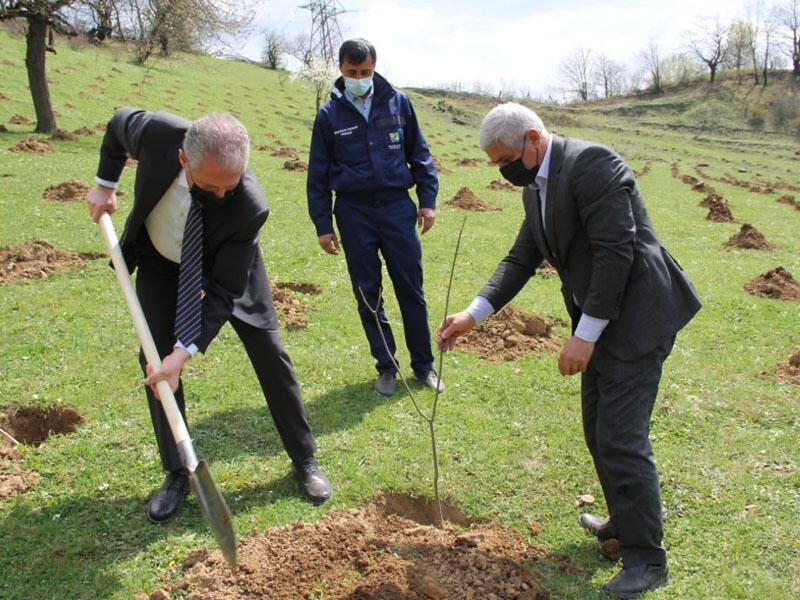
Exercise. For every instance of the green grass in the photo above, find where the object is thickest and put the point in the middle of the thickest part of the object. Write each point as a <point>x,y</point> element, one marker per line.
<point>725,431</point>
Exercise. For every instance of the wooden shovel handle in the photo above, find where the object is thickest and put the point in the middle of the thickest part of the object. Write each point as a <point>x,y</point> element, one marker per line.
<point>176,423</point>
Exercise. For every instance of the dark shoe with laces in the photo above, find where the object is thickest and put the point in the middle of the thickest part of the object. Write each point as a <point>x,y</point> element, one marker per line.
<point>314,485</point>
<point>431,380</point>
<point>166,503</point>
<point>632,582</point>
<point>601,528</point>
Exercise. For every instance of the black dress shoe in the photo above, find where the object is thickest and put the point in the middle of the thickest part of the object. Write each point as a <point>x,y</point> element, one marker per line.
<point>166,503</point>
<point>601,528</point>
<point>635,581</point>
<point>313,483</point>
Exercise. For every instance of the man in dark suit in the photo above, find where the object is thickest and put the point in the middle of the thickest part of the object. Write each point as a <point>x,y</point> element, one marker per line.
<point>627,298</point>
<point>181,163</point>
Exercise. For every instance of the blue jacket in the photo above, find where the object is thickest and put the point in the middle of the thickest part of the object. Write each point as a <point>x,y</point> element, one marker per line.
<point>378,159</point>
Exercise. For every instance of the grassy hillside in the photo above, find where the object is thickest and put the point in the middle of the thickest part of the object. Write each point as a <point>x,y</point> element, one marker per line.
<point>725,429</point>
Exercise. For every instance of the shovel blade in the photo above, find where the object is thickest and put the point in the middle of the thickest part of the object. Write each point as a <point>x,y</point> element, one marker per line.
<point>215,511</point>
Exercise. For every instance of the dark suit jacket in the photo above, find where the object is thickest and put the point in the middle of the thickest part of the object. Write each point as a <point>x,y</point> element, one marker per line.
<point>234,278</point>
<point>599,238</point>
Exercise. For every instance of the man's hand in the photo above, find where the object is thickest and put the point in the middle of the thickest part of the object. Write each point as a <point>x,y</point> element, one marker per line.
<point>425,219</point>
<point>453,326</point>
<point>101,200</point>
<point>575,356</point>
<point>330,243</point>
<point>170,371</point>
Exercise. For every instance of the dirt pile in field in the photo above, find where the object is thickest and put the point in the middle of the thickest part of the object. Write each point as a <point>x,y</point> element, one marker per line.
<point>291,309</point>
<point>389,549</point>
<point>499,184</point>
<point>466,199</point>
<point>749,238</point>
<point>776,283</point>
<point>72,190</point>
<point>511,334</point>
<point>28,425</point>
<point>36,259</point>
<point>789,371</point>
<point>34,146</point>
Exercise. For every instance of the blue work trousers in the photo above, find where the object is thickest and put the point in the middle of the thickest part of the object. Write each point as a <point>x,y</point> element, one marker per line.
<point>367,227</point>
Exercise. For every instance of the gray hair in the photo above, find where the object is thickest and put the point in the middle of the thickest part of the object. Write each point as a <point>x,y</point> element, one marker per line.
<point>221,137</point>
<point>506,123</point>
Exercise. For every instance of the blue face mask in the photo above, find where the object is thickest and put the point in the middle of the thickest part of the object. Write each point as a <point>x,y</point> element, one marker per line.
<point>358,87</point>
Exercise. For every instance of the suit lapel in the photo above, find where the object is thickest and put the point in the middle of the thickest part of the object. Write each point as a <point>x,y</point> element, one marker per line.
<point>556,162</point>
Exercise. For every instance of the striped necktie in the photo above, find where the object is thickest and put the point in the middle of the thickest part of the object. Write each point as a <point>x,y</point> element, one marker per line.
<point>190,280</point>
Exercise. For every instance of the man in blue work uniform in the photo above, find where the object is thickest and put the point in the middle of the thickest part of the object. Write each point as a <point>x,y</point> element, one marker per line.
<point>367,147</point>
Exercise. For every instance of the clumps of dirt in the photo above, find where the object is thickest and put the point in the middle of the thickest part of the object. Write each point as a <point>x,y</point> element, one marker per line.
<point>511,334</point>
<point>749,238</point>
<point>469,162</point>
<point>776,283</point>
<point>643,171</point>
<point>68,191</point>
<point>13,479</point>
<point>34,146</point>
<point>20,120</point>
<point>36,259</point>
<point>719,211</point>
<point>64,136</point>
<point>295,164</point>
<point>377,552</point>
<point>466,199</point>
<point>283,151</point>
<point>84,131</point>
<point>499,184</point>
<point>789,371</point>
<point>291,309</point>
<point>441,169</point>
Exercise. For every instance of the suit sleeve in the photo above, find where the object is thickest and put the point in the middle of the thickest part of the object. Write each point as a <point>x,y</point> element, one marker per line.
<point>121,140</point>
<point>514,270</point>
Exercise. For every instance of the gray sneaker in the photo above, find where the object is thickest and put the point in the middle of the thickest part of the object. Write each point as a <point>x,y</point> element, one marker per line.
<point>385,384</point>
<point>431,380</point>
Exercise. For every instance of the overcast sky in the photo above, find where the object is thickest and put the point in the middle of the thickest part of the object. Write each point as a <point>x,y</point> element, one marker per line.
<point>505,45</point>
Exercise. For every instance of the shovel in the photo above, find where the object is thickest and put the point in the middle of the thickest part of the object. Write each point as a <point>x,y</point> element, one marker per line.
<point>211,501</point>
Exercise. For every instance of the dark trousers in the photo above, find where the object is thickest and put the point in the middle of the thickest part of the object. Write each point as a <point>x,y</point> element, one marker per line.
<point>367,228</point>
<point>156,287</point>
<point>617,402</point>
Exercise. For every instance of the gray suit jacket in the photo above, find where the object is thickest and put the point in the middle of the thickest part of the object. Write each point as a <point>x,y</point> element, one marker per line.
<point>234,278</point>
<point>598,236</point>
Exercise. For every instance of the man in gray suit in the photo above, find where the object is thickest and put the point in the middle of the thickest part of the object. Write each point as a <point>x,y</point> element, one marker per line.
<point>627,298</point>
<point>202,163</point>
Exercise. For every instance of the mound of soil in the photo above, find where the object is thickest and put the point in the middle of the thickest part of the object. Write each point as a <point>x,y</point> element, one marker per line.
<point>284,152</point>
<point>467,200</point>
<point>499,184</point>
<point>291,309</point>
<point>72,190</point>
<point>719,210</point>
<point>789,371</point>
<point>511,334</point>
<point>441,169</point>
<point>749,238</point>
<point>64,136</point>
<point>34,146</point>
<point>295,164</point>
<point>20,120</point>
<point>777,283</point>
<point>13,480</point>
<point>35,259</point>
<point>468,162</point>
<point>378,552</point>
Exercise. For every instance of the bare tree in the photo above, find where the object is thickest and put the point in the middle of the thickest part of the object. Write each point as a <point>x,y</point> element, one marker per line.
<point>708,44</point>
<point>42,18</point>
<point>609,75</point>
<point>576,71</point>
<point>740,41</point>
<point>650,58</point>
<point>789,17</point>
<point>275,46</point>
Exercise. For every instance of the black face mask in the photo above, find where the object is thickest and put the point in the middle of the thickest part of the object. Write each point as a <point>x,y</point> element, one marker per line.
<point>518,174</point>
<point>202,196</point>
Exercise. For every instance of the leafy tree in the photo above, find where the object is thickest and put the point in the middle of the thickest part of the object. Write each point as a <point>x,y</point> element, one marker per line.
<point>43,18</point>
